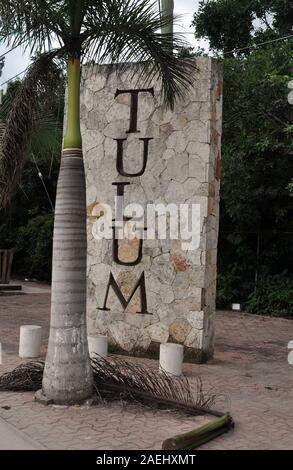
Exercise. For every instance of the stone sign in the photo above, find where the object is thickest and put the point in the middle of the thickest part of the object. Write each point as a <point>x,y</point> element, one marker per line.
<point>152,202</point>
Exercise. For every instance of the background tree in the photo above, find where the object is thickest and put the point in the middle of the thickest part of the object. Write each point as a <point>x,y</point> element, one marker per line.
<point>27,223</point>
<point>230,25</point>
<point>255,243</point>
<point>115,31</point>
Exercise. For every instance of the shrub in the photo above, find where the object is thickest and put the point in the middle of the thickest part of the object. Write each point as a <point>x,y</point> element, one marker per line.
<point>273,296</point>
<point>33,257</point>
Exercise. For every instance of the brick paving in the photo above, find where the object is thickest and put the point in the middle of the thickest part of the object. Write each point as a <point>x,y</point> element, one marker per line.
<point>250,371</point>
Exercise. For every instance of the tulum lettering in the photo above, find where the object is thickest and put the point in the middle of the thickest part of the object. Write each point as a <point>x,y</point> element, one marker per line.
<point>119,202</point>
<point>119,161</point>
<point>120,206</point>
<point>126,263</point>
<point>124,302</point>
<point>134,105</point>
<point>118,224</point>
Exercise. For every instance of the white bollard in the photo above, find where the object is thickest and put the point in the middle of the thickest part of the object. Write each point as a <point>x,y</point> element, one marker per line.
<point>30,341</point>
<point>171,358</point>
<point>98,345</point>
<point>236,307</point>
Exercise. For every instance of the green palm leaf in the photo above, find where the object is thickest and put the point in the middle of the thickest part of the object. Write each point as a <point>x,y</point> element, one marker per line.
<point>116,31</point>
<point>128,31</point>
<point>23,121</point>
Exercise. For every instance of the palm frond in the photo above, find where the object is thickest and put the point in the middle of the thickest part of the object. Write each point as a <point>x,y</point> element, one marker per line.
<point>118,379</point>
<point>124,31</point>
<point>22,121</point>
<point>104,31</point>
<point>31,23</point>
<point>24,378</point>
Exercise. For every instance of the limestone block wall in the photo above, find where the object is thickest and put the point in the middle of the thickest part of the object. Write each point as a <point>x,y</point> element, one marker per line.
<point>183,167</point>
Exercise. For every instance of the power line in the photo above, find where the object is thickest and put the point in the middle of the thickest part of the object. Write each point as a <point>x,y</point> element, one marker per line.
<point>10,50</point>
<point>15,76</point>
<point>187,32</point>
<point>43,183</point>
<point>260,44</point>
<point>248,47</point>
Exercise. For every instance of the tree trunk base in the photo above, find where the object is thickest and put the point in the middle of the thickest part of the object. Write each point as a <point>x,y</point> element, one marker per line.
<point>41,398</point>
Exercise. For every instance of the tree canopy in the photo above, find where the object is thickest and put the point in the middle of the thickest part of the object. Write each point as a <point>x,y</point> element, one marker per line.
<point>111,31</point>
<point>256,228</point>
<point>27,224</point>
<point>231,25</point>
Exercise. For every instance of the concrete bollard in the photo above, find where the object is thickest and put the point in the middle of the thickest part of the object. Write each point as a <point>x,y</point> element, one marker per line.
<point>171,358</point>
<point>98,344</point>
<point>236,307</point>
<point>30,341</point>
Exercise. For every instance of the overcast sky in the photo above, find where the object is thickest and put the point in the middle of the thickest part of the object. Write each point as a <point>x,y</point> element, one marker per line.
<point>18,60</point>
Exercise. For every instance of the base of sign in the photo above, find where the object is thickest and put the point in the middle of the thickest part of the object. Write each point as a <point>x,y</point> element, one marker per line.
<point>191,355</point>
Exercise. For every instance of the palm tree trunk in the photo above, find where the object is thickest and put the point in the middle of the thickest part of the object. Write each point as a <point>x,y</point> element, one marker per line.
<point>68,375</point>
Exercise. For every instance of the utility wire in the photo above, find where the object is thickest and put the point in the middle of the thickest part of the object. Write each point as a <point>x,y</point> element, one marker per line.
<point>43,182</point>
<point>10,50</point>
<point>260,44</point>
<point>15,76</point>
<point>248,47</point>
<point>189,32</point>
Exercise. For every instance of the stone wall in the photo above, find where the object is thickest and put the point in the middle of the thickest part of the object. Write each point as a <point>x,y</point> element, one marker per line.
<point>183,166</point>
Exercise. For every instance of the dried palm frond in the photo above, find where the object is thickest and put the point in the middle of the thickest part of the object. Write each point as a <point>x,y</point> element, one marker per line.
<point>2,129</point>
<point>21,121</point>
<point>118,379</point>
<point>24,378</point>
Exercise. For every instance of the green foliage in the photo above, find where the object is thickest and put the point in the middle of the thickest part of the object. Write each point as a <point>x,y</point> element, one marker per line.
<point>26,114</point>
<point>256,223</point>
<point>228,283</point>
<point>112,31</point>
<point>34,248</point>
<point>226,23</point>
<point>27,224</point>
<point>235,24</point>
<point>257,138</point>
<point>273,296</point>
<point>290,188</point>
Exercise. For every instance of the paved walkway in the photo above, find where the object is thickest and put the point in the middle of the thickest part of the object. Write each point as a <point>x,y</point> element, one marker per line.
<point>13,439</point>
<point>250,370</point>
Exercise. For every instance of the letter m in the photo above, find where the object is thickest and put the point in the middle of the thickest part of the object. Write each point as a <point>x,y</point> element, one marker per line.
<point>125,302</point>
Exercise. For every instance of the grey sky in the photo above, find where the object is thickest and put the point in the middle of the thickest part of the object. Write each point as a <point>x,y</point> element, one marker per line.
<point>18,60</point>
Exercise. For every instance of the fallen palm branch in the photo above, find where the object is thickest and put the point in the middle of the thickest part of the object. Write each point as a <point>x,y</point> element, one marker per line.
<point>118,379</point>
<point>197,437</point>
<point>24,378</point>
